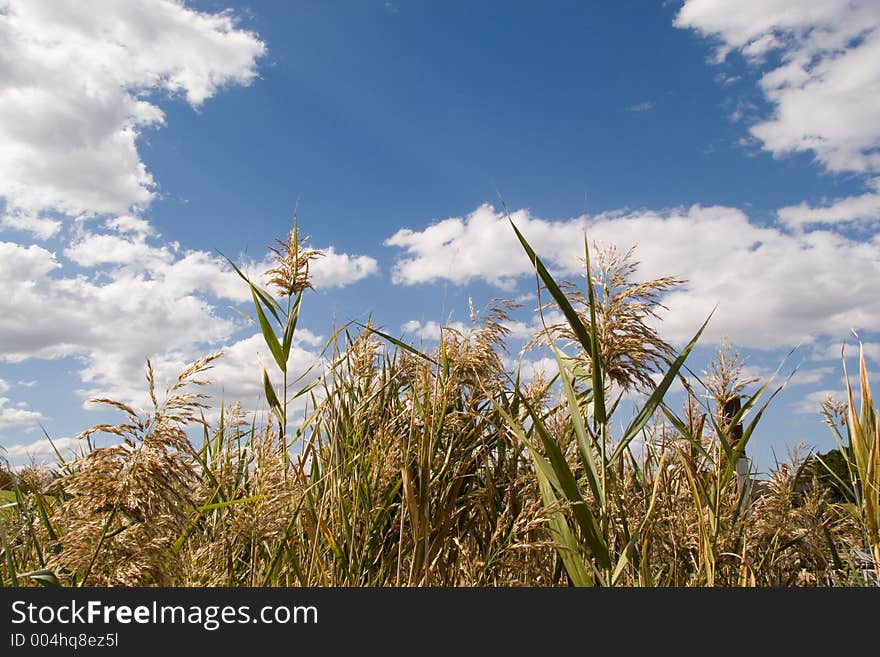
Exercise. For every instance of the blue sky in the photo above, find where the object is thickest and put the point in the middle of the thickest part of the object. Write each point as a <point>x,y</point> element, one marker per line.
<point>739,146</point>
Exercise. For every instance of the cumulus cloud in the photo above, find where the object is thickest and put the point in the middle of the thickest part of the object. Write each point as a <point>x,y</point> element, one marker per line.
<point>18,415</point>
<point>479,246</point>
<point>39,450</point>
<point>80,83</point>
<point>111,324</point>
<point>76,81</point>
<point>520,330</point>
<point>339,269</point>
<point>234,377</point>
<point>529,368</point>
<point>811,403</point>
<point>237,374</point>
<point>38,227</point>
<point>181,270</point>
<point>772,288</point>
<point>149,300</point>
<point>93,250</point>
<point>792,376</point>
<point>825,88</point>
<point>832,351</point>
<point>862,209</point>
<point>429,330</point>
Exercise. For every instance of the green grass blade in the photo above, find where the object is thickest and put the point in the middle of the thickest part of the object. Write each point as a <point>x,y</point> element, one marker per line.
<point>43,577</point>
<point>656,397</point>
<point>558,295</point>
<point>269,335</point>
<point>399,343</point>
<point>567,548</point>
<point>7,550</point>
<point>271,397</point>
<point>584,446</point>
<point>266,298</point>
<point>563,479</point>
<point>596,366</point>
<point>290,327</point>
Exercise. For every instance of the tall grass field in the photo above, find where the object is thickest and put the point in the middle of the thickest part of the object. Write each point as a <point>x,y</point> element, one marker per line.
<point>444,468</point>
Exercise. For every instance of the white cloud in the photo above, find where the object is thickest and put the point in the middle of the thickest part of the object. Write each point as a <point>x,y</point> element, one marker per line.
<point>520,330</point>
<point>791,375</point>
<point>145,299</point>
<point>237,374</point>
<point>481,245</point>
<point>825,90</point>
<point>94,249</point>
<point>429,330</point>
<point>114,323</point>
<point>528,368</point>
<point>811,403</point>
<point>18,415</point>
<point>80,82</point>
<point>864,208</point>
<point>75,85</point>
<point>4,387</point>
<point>339,269</point>
<point>39,449</point>
<point>184,271</point>
<point>832,351</point>
<point>130,224</point>
<point>199,270</point>
<point>234,377</point>
<point>810,376</point>
<point>773,289</point>
<point>39,227</point>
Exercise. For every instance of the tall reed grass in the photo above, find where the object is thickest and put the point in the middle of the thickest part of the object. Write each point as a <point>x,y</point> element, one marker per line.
<point>443,468</point>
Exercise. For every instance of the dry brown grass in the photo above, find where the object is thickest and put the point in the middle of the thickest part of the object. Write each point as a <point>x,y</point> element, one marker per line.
<point>438,469</point>
<point>627,312</point>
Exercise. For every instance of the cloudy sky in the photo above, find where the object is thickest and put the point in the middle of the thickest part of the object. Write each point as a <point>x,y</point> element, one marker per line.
<point>738,144</point>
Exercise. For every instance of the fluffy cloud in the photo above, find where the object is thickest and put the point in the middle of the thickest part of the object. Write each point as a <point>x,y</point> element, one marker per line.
<point>772,288</point>
<point>75,85</point>
<point>811,403</point>
<point>94,249</point>
<point>183,271</point>
<point>863,209</point>
<point>792,376</point>
<point>481,245</point>
<point>339,269</point>
<point>520,330</point>
<point>18,415</point>
<point>528,368</point>
<point>234,377</point>
<point>39,227</point>
<point>429,330</point>
<point>149,300</point>
<point>111,324</point>
<point>832,351</point>
<point>80,83</point>
<point>237,374</point>
<point>825,89</point>
<point>42,450</point>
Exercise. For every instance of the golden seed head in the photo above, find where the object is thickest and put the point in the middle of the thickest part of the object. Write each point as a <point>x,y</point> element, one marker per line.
<point>290,275</point>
